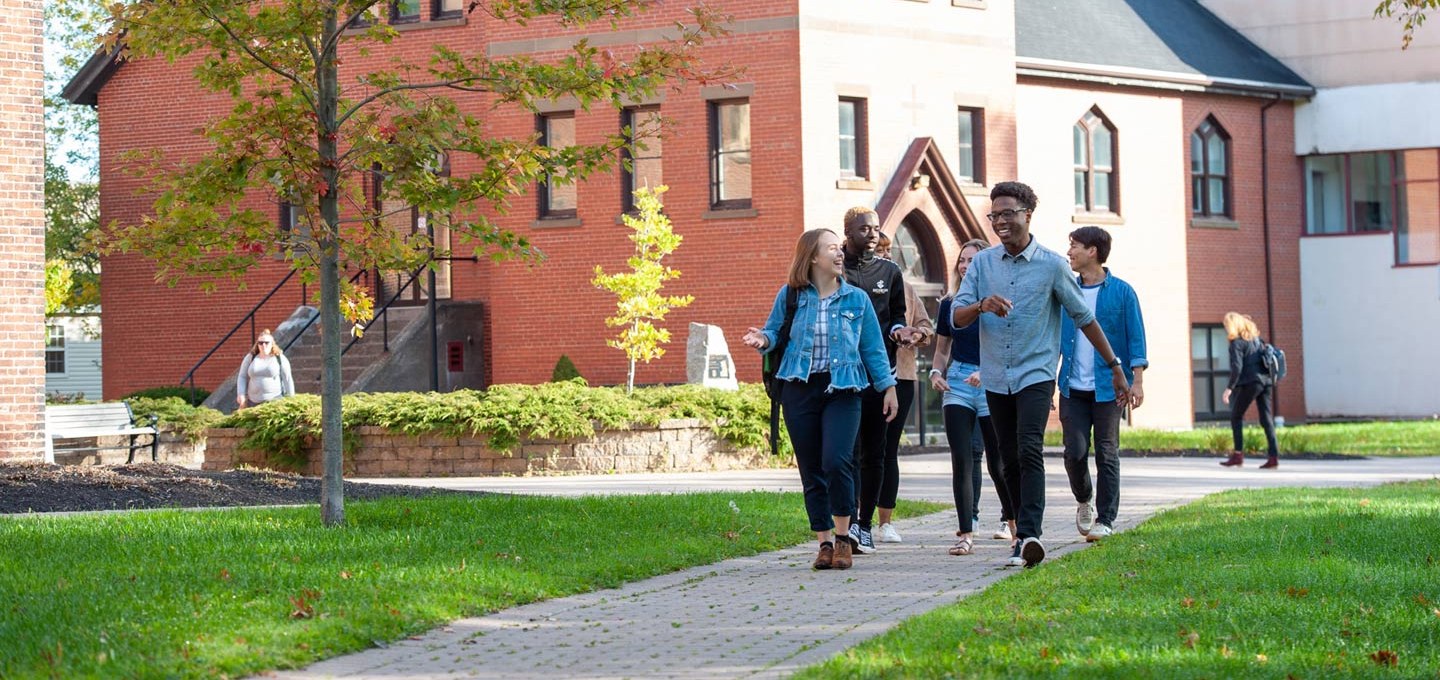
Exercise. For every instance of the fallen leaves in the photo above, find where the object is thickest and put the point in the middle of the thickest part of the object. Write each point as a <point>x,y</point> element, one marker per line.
<point>1297,593</point>
<point>304,604</point>
<point>1188,638</point>
<point>1385,657</point>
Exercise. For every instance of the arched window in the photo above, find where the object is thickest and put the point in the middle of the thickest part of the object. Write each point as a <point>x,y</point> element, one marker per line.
<point>1210,170</point>
<point>1097,177</point>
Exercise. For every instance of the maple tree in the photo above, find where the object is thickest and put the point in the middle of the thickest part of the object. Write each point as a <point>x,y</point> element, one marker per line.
<point>322,120</point>
<point>639,303</point>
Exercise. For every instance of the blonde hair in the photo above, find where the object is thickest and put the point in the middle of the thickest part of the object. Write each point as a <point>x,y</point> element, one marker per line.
<point>856,212</point>
<point>274,346</point>
<point>976,243</point>
<point>805,250</point>
<point>1241,326</point>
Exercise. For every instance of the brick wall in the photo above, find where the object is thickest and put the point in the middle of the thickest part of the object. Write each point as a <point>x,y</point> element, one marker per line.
<point>1228,265</point>
<point>154,333</point>
<point>22,231</point>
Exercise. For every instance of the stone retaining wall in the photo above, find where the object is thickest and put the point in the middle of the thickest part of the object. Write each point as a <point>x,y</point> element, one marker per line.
<point>174,449</point>
<point>683,445</point>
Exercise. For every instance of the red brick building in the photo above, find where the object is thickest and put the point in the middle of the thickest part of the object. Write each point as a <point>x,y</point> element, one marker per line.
<point>841,103</point>
<point>22,232</point>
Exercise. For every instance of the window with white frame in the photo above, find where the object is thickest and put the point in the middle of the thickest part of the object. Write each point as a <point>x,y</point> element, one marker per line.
<point>55,349</point>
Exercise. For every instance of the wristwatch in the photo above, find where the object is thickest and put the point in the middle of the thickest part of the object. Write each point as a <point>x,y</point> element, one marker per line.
<point>1114,363</point>
<point>936,371</point>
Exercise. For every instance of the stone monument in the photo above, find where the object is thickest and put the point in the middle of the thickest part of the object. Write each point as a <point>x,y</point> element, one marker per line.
<point>707,358</point>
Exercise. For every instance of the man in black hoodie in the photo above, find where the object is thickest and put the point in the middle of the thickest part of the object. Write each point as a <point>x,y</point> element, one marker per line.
<point>883,281</point>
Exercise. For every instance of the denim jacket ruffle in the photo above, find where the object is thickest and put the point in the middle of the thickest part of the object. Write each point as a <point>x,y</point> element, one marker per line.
<point>857,350</point>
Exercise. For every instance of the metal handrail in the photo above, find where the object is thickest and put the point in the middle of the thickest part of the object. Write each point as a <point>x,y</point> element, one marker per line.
<point>296,337</point>
<point>382,313</point>
<point>190,377</point>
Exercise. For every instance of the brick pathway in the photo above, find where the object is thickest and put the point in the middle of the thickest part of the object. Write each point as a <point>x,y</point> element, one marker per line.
<point>770,614</point>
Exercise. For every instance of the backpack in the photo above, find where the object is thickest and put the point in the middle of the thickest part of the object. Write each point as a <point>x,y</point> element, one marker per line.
<point>771,364</point>
<point>772,359</point>
<point>1272,363</point>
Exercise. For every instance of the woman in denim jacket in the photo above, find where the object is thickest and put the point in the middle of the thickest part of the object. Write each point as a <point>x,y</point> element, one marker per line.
<point>834,351</point>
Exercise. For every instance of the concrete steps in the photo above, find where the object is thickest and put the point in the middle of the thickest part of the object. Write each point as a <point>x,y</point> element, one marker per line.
<point>305,361</point>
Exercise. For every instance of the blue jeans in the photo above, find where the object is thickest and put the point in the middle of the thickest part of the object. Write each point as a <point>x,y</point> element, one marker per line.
<point>962,394</point>
<point>822,430</point>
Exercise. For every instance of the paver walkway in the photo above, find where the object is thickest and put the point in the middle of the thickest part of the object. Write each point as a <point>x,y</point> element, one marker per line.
<point>770,614</point>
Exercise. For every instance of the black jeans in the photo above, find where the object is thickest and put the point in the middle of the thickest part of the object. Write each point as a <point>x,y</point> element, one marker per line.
<point>1019,420</point>
<point>1080,414</point>
<point>964,432</point>
<point>983,444</point>
<point>822,430</point>
<point>1240,399</point>
<point>880,475</point>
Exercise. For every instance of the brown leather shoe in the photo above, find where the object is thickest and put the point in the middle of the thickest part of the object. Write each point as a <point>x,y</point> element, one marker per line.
<point>1271,464</point>
<point>824,559</point>
<point>844,553</point>
<point>1235,460</point>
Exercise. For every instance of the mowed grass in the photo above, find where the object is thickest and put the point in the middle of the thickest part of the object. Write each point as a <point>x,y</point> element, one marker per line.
<point>229,593</point>
<point>1397,438</point>
<point>1280,583</point>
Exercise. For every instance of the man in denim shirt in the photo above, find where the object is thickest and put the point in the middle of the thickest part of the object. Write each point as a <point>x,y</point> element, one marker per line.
<point>1023,287</point>
<point>1087,401</point>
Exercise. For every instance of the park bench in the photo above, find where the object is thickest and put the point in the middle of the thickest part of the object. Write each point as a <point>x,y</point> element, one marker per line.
<point>87,421</point>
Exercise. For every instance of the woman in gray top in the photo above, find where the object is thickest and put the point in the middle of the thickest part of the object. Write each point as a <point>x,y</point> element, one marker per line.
<point>265,373</point>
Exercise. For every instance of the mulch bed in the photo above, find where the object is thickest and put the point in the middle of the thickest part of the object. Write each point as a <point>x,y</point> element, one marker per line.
<point>38,487</point>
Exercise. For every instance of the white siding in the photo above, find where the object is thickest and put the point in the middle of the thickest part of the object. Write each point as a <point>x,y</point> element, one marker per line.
<point>82,358</point>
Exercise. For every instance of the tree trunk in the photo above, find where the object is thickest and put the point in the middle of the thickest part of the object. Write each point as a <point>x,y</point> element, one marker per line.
<point>332,483</point>
<point>630,381</point>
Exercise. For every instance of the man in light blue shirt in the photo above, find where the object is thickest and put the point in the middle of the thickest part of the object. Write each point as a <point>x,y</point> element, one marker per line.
<point>1024,287</point>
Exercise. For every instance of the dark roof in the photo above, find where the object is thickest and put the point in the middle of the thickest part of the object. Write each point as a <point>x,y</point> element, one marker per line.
<point>1155,37</point>
<point>84,87</point>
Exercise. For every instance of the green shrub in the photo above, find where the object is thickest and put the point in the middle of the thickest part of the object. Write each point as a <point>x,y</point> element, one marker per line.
<point>190,421</point>
<point>505,414</point>
<point>185,393</point>
<point>564,370</point>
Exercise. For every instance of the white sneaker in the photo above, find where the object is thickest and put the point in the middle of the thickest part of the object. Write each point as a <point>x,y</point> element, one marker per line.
<point>1015,559</point>
<point>1098,532</point>
<point>1003,533</point>
<point>1085,518</point>
<point>888,534</point>
<point>1032,552</point>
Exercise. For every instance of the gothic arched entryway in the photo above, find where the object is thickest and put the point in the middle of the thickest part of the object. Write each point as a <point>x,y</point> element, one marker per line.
<point>927,218</point>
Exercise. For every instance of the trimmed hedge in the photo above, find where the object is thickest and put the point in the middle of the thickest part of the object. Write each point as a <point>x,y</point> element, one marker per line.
<point>184,393</point>
<point>504,414</point>
<point>176,413</point>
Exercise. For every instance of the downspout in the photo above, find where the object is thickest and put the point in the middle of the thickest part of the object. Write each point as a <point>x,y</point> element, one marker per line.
<point>1265,231</point>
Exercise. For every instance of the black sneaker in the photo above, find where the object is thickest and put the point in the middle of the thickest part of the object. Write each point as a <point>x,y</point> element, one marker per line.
<point>1032,551</point>
<point>864,542</point>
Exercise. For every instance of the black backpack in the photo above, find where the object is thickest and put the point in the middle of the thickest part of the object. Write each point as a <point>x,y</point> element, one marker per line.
<point>1272,363</point>
<point>771,362</point>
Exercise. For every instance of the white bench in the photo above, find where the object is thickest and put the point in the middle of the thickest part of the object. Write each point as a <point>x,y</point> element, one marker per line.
<point>86,421</point>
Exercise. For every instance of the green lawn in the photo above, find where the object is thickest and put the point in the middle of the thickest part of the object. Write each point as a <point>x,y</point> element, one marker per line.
<point>229,593</point>
<point>1281,583</point>
<point>1398,438</point>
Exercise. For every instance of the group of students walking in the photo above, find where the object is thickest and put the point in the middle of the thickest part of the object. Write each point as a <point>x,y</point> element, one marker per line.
<point>1019,321</point>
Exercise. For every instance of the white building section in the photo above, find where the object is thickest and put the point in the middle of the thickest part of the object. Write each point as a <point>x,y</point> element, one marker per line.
<point>1345,119</point>
<point>1370,330</point>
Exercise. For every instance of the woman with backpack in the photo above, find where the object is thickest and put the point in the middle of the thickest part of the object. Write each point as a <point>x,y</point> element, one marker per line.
<point>1248,382</point>
<point>830,349</point>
